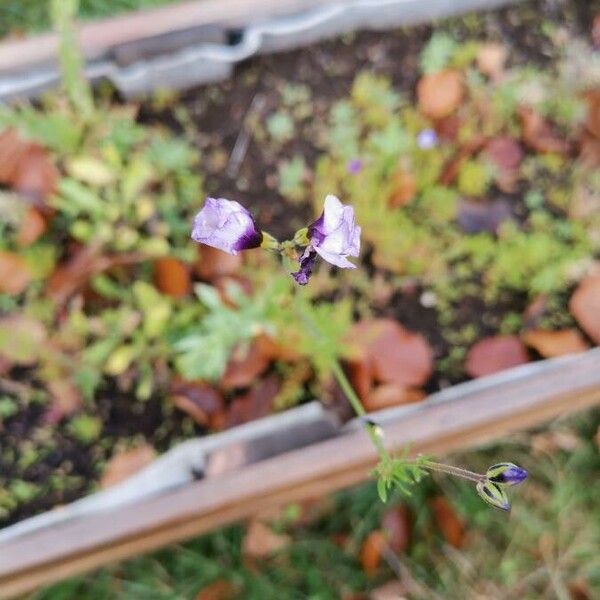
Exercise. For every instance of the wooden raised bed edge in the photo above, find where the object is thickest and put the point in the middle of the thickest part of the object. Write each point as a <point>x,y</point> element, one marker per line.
<point>456,418</point>
<point>187,44</point>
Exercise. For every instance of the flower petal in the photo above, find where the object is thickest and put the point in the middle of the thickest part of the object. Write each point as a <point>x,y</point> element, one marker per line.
<point>335,259</point>
<point>226,225</point>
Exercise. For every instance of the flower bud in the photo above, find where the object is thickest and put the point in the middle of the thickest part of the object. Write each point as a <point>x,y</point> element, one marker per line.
<point>493,494</point>
<point>226,225</point>
<point>506,474</point>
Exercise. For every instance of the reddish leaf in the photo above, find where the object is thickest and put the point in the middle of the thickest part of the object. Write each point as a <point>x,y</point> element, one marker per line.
<point>491,58</point>
<point>256,403</point>
<point>220,589</point>
<point>535,311</point>
<point>448,128</point>
<point>474,217</point>
<point>276,351</point>
<point>5,365</point>
<point>504,152</point>
<point>202,402</point>
<point>15,275</point>
<point>596,32</point>
<point>440,94</point>
<point>35,174</point>
<point>247,363</point>
<point>585,201</point>
<point>32,227</point>
<point>371,551</point>
<point>506,155</point>
<point>592,121</point>
<point>493,354</point>
<point>537,133</point>
<point>397,526</point>
<point>585,306</point>
<point>213,263</point>
<point>172,277</point>
<point>555,343</point>
<point>261,542</point>
<point>125,464</point>
<point>590,138</point>
<point>579,589</point>
<point>395,354</point>
<point>360,373</point>
<point>450,524</point>
<point>12,150</point>
<point>589,155</point>
<point>85,263</point>
<point>391,394</point>
<point>66,400</point>
<point>451,169</point>
<point>404,188</point>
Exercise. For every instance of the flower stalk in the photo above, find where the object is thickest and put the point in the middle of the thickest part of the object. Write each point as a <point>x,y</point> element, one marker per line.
<point>334,236</point>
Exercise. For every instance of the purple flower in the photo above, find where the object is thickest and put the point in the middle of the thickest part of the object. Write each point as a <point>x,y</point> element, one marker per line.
<point>226,225</point>
<point>333,236</point>
<point>506,474</point>
<point>427,139</point>
<point>354,166</point>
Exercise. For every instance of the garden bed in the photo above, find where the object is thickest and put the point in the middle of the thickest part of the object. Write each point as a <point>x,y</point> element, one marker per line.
<point>478,219</point>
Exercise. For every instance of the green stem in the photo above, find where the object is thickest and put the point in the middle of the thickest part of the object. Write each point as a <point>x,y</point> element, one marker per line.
<point>451,470</point>
<point>359,409</point>
<point>304,311</point>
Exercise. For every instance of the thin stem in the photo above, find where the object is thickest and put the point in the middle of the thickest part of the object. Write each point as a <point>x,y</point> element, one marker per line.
<point>340,376</point>
<point>451,470</point>
<point>359,409</point>
<point>373,431</point>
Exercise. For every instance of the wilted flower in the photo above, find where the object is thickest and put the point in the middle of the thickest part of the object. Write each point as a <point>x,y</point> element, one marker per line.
<point>226,225</point>
<point>427,139</point>
<point>493,494</point>
<point>354,166</point>
<point>334,236</point>
<point>506,474</point>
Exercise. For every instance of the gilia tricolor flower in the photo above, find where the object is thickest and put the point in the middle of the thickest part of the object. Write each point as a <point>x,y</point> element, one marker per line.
<point>506,474</point>
<point>333,236</point>
<point>226,225</point>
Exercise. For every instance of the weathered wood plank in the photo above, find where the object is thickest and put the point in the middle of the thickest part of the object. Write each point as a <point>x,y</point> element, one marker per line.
<point>463,416</point>
<point>97,37</point>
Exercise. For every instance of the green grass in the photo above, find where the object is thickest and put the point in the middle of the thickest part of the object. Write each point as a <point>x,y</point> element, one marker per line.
<point>32,15</point>
<point>548,543</point>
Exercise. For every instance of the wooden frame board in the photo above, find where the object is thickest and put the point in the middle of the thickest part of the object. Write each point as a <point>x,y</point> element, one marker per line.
<point>457,418</point>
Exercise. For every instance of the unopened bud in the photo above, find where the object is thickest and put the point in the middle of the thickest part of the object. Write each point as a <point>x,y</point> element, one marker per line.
<point>506,474</point>
<point>493,494</point>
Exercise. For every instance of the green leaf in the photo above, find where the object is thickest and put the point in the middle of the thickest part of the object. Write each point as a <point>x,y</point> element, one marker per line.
<point>382,489</point>
<point>291,178</point>
<point>280,126</point>
<point>437,53</point>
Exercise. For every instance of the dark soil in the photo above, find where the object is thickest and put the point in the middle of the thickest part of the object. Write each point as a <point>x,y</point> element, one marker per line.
<point>328,70</point>
<point>218,113</point>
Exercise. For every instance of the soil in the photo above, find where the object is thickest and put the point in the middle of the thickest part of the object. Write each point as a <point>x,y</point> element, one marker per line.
<point>218,113</point>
